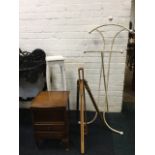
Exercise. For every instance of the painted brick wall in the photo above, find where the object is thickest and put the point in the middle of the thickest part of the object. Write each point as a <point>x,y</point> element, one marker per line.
<point>61,27</point>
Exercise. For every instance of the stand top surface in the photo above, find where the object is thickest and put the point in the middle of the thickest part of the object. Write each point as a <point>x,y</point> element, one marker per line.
<point>51,99</point>
<point>55,58</point>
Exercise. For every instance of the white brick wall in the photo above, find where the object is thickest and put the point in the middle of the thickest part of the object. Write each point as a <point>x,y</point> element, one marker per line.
<point>133,13</point>
<point>62,26</point>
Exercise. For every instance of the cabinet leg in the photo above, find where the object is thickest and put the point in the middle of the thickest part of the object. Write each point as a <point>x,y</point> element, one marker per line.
<point>66,143</point>
<point>38,142</point>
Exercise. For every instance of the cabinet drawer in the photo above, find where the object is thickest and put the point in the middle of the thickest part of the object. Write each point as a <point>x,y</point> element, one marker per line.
<point>48,115</point>
<point>50,134</point>
<point>49,127</point>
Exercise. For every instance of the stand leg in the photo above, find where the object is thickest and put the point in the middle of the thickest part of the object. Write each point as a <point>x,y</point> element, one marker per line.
<point>48,77</point>
<point>62,67</point>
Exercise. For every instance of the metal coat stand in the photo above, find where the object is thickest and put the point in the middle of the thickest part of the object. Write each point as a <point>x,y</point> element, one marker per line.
<point>82,84</point>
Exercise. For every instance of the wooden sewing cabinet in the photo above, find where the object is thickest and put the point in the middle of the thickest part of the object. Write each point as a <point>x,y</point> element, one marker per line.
<point>50,116</point>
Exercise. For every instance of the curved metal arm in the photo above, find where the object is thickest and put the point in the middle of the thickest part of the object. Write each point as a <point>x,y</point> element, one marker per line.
<point>112,25</point>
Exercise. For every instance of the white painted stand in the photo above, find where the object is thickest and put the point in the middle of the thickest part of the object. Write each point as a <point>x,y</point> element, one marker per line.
<point>50,61</point>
